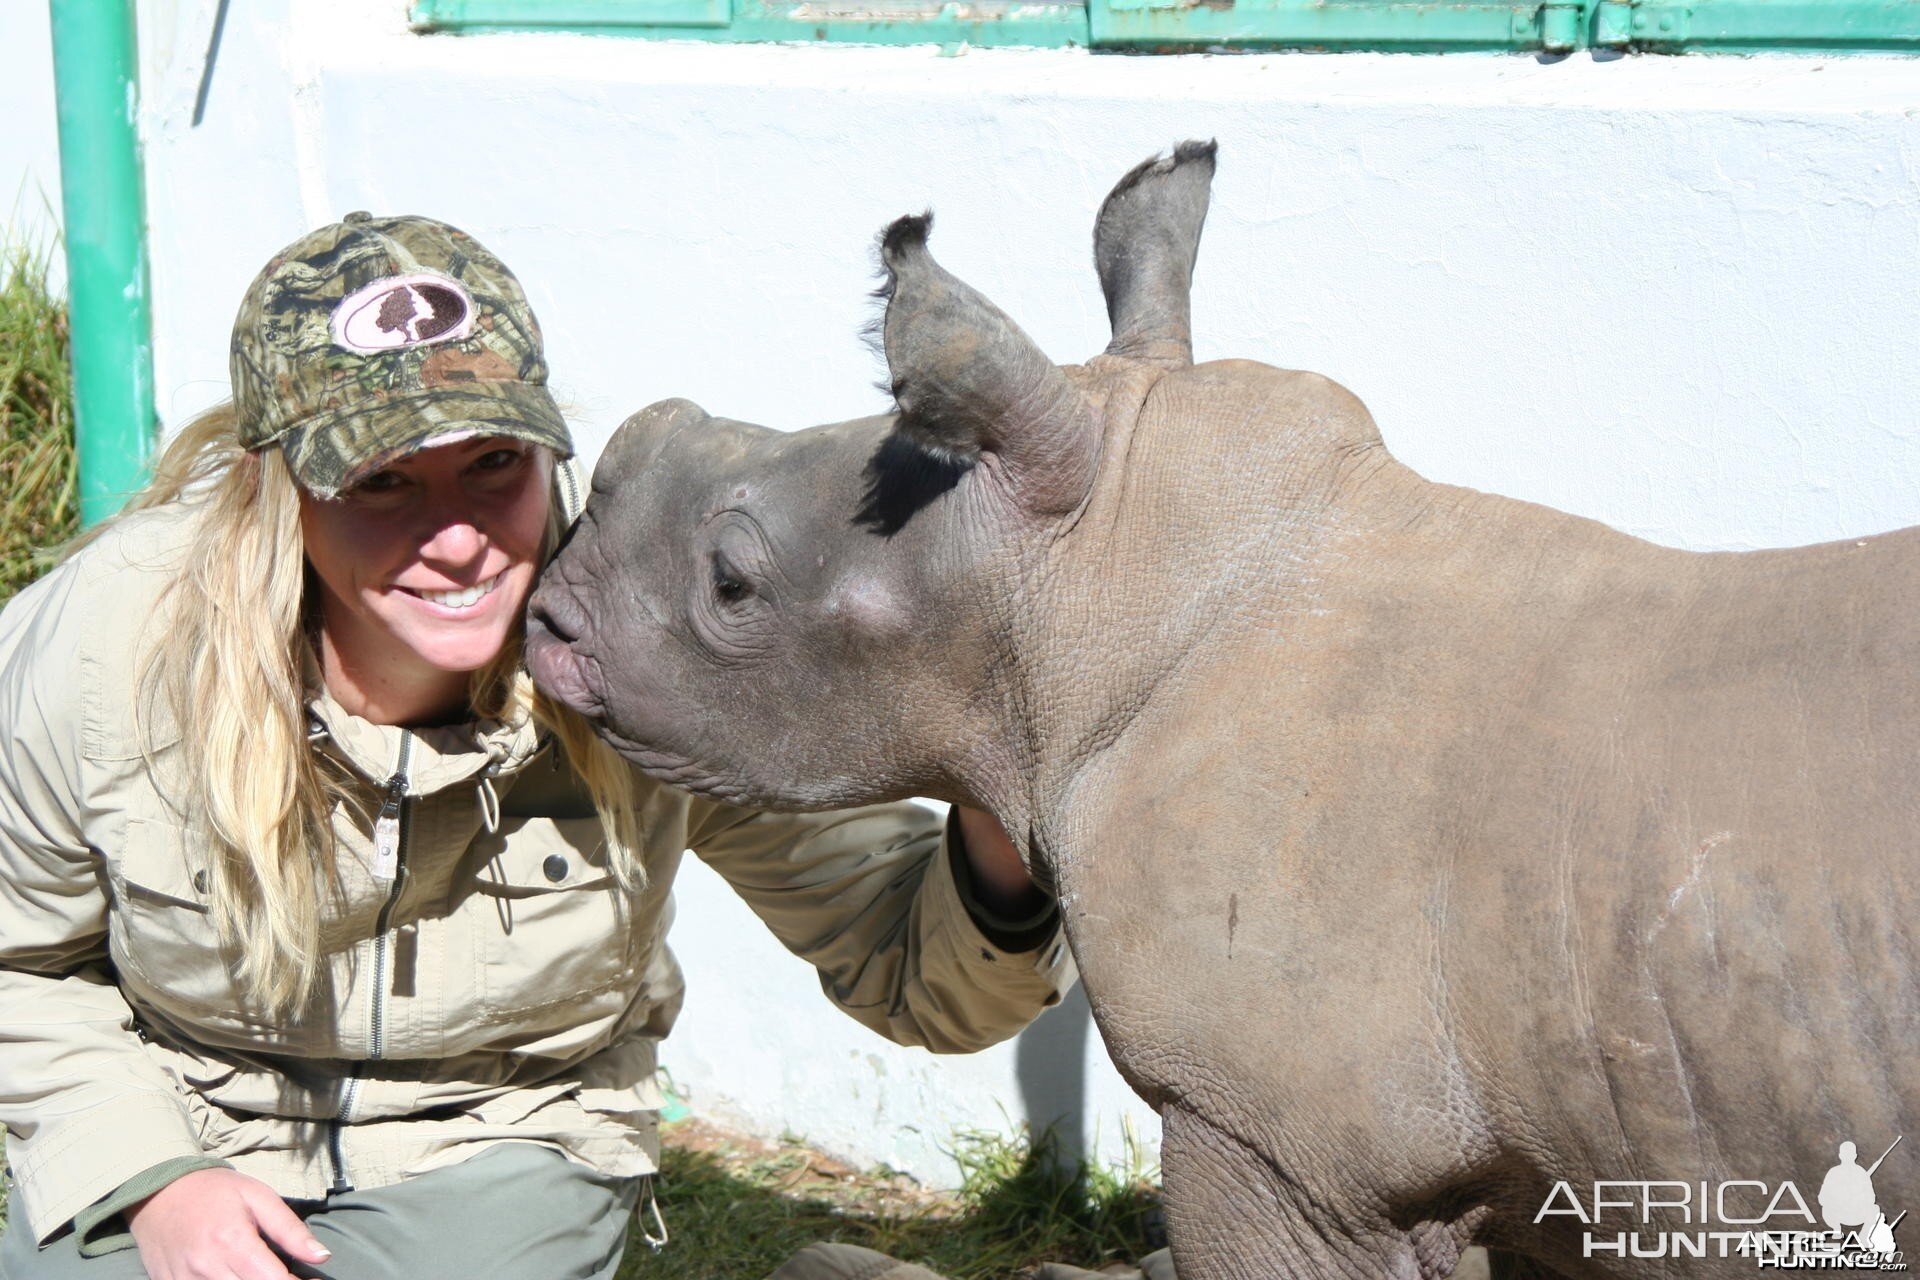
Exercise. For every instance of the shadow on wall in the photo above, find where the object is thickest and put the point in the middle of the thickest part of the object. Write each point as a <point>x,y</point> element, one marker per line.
<point>1050,1060</point>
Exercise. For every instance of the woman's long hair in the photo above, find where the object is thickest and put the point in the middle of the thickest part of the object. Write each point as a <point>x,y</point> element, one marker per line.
<point>229,662</point>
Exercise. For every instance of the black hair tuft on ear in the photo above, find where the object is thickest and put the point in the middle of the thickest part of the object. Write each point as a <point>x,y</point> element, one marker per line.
<point>909,232</point>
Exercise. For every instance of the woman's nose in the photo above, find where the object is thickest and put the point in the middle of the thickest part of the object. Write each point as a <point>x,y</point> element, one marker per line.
<point>453,540</point>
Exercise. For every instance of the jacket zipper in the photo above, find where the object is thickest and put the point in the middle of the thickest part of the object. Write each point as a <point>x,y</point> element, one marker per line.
<point>570,489</point>
<point>392,817</point>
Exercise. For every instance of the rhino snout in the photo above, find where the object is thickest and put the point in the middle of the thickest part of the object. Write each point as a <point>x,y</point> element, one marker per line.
<point>556,612</point>
<point>554,623</point>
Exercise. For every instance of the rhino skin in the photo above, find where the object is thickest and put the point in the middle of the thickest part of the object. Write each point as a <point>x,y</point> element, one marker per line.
<point>1421,849</point>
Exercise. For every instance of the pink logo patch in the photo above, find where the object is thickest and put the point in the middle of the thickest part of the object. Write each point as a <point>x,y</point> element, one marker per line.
<point>403,311</point>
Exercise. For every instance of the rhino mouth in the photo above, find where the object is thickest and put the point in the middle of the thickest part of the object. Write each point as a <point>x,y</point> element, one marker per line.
<point>558,671</point>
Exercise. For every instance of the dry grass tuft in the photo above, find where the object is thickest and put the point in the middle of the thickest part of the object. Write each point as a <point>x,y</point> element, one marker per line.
<point>738,1208</point>
<point>39,501</point>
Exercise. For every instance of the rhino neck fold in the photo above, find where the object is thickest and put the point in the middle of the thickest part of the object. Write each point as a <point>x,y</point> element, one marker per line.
<point>1220,491</point>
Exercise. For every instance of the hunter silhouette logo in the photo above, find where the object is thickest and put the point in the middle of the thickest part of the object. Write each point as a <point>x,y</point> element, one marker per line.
<point>1849,1207</point>
<point>403,311</point>
<point>1773,1224</point>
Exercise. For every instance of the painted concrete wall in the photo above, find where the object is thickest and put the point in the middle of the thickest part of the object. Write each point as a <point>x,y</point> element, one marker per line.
<point>29,137</point>
<point>1677,295</point>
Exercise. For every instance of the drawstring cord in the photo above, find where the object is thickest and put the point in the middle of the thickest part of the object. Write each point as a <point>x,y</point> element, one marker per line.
<point>489,804</point>
<point>489,798</point>
<point>649,1206</point>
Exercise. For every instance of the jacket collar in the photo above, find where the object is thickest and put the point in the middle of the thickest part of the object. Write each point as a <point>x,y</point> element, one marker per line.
<point>441,756</point>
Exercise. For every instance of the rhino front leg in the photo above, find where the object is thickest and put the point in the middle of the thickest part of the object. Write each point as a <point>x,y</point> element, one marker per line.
<point>1232,1214</point>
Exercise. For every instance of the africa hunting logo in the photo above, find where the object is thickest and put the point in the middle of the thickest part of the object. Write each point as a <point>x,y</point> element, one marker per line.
<point>1773,1225</point>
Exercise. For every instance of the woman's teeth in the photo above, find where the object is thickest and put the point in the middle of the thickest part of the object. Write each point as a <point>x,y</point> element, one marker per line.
<point>460,599</point>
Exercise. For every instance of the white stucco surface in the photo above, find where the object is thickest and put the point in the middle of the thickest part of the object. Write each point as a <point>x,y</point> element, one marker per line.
<point>29,134</point>
<point>1677,295</point>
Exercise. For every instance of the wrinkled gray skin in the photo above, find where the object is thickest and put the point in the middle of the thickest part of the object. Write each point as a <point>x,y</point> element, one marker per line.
<point>1420,847</point>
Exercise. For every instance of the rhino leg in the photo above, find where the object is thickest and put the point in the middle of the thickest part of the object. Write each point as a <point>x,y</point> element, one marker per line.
<point>1233,1215</point>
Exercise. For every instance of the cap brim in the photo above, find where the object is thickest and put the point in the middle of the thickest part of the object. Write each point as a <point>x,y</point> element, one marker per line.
<point>328,452</point>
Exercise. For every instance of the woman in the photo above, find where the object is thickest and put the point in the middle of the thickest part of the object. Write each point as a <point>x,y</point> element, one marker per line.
<point>327,946</point>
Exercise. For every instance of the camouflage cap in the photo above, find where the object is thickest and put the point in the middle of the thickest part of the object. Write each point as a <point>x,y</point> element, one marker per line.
<point>368,339</point>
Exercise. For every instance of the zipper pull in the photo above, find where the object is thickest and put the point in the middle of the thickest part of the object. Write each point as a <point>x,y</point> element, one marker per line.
<point>386,830</point>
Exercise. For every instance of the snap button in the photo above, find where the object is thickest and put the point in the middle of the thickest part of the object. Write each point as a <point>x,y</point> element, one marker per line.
<point>200,881</point>
<point>555,867</point>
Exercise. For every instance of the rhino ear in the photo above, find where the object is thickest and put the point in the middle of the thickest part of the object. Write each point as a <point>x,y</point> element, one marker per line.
<point>967,381</point>
<point>1144,244</point>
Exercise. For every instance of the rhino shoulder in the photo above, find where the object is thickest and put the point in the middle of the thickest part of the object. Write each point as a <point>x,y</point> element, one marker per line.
<point>1303,397</point>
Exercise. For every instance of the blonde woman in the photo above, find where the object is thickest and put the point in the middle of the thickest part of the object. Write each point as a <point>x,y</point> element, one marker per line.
<point>327,946</point>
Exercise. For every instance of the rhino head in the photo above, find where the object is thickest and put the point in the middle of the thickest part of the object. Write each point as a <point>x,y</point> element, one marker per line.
<point>908,604</point>
<point>829,616</point>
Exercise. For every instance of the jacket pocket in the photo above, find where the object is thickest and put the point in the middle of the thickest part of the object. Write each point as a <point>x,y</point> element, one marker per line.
<point>554,926</point>
<point>162,935</point>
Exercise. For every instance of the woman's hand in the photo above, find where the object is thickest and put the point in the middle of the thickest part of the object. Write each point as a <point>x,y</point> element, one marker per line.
<point>1000,879</point>
<point>213,1224</point>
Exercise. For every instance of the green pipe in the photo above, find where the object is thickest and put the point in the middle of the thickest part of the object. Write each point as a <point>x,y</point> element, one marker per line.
<point>96,83</point>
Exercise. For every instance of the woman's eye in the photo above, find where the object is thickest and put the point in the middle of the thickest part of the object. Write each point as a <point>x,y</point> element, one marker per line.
<point>497,459</point>
<point>379,482</point>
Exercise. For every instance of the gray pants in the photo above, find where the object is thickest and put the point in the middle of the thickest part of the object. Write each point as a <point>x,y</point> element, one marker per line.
<point>516,1211</point>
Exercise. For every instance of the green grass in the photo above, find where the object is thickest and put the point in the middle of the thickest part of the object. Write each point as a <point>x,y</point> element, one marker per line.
<point>736,1214</point>
<point>39,506</point>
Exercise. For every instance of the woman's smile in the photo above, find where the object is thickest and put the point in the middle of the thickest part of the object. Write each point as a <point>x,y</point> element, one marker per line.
<point>459,601</point>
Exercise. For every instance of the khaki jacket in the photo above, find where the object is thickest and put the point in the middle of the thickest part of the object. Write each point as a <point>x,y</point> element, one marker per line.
<point>499,987</point>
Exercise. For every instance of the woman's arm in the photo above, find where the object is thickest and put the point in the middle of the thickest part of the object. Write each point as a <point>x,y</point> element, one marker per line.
<point>870,898</point>
<point>1000,880</point>
<point>84,1106</point>
<point>90,1117</point>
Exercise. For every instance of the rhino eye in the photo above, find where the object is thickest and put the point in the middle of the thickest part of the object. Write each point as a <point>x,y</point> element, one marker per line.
<point>728,588</point>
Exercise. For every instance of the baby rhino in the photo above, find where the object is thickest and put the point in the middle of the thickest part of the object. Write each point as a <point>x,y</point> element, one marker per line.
<point>1429,856</point>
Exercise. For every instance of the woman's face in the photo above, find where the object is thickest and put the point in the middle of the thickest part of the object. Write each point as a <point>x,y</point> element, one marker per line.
<point>425,567</point>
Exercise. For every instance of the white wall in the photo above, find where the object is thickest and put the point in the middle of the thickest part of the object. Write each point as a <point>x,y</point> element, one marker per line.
<point>1678,295</point>
<point>29,136</point>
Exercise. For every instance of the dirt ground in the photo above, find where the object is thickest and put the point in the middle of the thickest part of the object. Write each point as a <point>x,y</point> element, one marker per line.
<point>793,1168</point>
<point>736,1207</point>
<point>739,1205</point>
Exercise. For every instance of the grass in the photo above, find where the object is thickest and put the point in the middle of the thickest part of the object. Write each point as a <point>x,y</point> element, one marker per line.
<point>39,507</point>
<point>737,1209</point>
